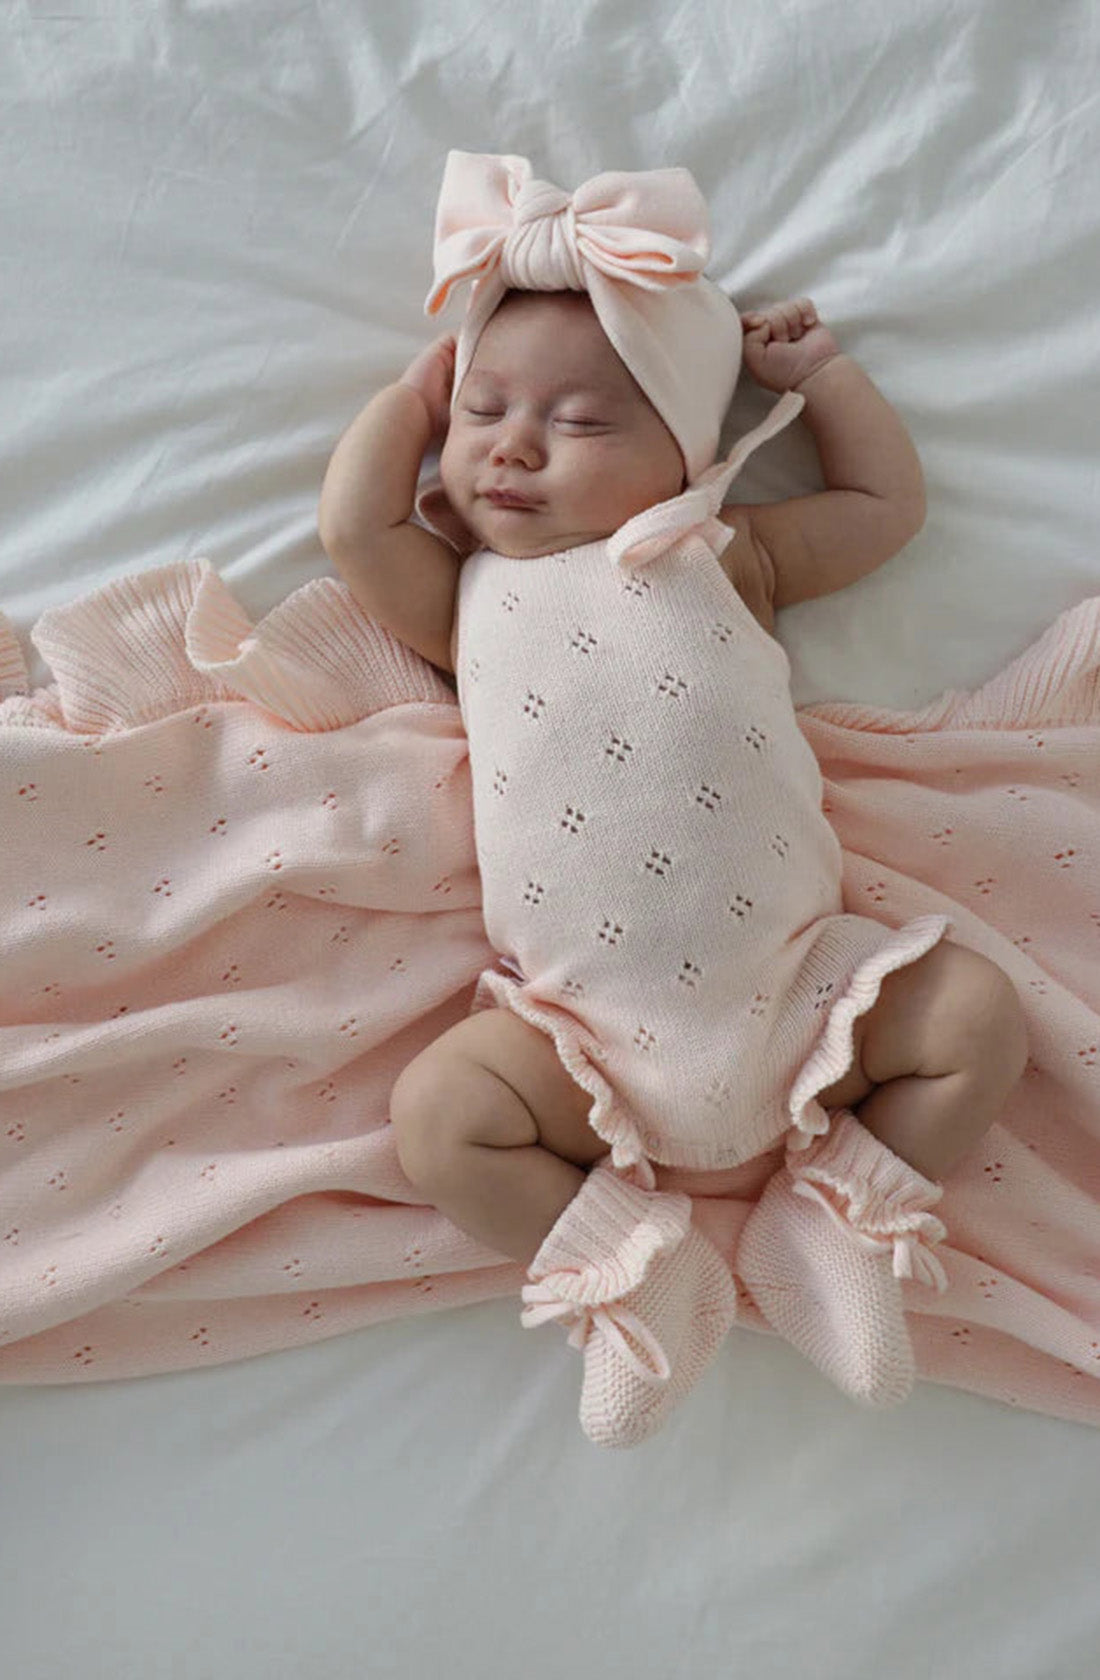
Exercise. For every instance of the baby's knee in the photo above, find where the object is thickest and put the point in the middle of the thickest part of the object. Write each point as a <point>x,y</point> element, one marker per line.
<point>442,1103</point>
<point>991,1012</point>
<point>416,1104</point>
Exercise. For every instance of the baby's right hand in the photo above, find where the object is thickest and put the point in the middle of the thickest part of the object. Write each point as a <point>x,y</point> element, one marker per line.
<point>431,374</point>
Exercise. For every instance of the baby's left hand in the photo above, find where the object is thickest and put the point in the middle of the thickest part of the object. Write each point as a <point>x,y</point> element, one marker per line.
<point>785,343</point>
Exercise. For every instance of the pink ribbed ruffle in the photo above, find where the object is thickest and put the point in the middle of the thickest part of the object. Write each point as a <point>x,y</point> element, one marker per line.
<point>864,1185</point>
<point>607,1117</point>
<point>14,677</point>
<point>152,644</point>
<point>878,1193</point>
<point>604,1243</point>
<point>835,1050</point>
<point>1054,682</point>
<point>830,1060</point>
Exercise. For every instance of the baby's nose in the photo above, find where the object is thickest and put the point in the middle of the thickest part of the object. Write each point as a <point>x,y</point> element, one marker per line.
<point>517,440</point>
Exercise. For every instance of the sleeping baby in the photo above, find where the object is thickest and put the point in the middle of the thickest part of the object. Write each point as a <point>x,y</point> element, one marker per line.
<point>678,983</point>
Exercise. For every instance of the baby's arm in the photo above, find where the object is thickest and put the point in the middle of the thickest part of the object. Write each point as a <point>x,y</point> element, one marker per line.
<point>400,574</point>
<point>874,504</point>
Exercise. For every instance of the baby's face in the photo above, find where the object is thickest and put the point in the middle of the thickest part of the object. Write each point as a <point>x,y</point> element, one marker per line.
<point>548,413</point>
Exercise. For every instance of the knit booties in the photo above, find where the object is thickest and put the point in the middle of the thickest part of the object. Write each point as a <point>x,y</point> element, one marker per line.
<point>648,1298</point>
<point>823,1251</point>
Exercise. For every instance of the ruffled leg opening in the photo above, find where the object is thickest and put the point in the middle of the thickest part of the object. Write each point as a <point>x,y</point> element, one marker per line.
<point>836,1049</point>
<point>607,1116</point>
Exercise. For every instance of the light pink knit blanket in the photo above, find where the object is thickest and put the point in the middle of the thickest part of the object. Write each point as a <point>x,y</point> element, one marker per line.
<point>238,893</point>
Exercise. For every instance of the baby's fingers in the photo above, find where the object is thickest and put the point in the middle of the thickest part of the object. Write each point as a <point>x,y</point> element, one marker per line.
<point>769,324</point>
<point>791,319</point>
<point>783,322</point>
<point>800,316</point>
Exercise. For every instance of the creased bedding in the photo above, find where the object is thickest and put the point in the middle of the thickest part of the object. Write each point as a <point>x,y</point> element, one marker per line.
<point>240,893</point>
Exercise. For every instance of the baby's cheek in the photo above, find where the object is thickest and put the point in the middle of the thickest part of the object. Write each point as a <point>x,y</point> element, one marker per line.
<point>455,479</point>
<point>627,482</point>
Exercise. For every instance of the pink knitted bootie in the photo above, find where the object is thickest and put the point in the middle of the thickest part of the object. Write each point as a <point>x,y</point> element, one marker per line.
<point>823,1251</point>
<point>648,1298</point>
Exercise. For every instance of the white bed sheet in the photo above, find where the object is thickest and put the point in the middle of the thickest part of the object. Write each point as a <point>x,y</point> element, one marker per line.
<point>217,224</point>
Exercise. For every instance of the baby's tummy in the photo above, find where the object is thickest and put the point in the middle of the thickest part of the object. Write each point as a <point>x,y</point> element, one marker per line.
<point>589,905</point>
<point>578,904</point>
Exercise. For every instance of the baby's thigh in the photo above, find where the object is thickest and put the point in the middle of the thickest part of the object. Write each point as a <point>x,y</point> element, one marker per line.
<point>495,1079</point>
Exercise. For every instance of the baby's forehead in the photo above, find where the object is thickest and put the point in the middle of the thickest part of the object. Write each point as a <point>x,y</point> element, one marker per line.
<point>551,342</point>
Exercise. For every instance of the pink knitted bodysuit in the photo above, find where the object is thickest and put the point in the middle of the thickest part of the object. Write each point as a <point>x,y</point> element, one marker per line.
<point>657,873</point>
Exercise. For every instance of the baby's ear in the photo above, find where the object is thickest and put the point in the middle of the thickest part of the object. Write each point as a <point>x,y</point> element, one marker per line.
<point>434,507</point>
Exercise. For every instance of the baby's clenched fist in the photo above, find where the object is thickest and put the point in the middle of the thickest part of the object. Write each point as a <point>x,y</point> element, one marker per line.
<point>785,343</point>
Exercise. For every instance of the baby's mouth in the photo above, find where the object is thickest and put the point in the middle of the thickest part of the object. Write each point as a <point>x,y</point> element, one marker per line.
<point>511,499</point>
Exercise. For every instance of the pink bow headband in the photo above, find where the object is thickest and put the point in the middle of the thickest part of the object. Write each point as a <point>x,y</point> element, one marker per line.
<point>635,242</point>
<point>647,229</point>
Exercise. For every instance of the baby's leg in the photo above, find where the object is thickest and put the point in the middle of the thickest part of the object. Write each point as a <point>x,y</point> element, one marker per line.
<point>493,1132</point>
<point>842,1223</point>
<point>938,1054</point>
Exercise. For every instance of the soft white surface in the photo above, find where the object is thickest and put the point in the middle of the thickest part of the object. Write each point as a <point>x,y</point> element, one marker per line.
<point>415,1502</point>
<point>217,226</point>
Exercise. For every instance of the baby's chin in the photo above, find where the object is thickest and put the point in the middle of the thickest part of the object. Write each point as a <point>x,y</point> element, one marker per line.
<point>525,536</point>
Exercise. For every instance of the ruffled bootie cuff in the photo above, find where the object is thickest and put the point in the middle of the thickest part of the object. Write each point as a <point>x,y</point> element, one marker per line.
<point>880,1199</point>
<point>608,1237</point>
<point>824,1249</point>
<point>645,1297</point>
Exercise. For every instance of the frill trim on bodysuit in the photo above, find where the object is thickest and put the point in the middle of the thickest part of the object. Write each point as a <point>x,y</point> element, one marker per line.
<point>609,1119</point>
<point>836,1049</point>
<point>154,643</point>
<point>832,1056</point>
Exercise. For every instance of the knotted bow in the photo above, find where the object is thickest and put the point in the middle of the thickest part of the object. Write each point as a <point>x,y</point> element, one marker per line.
<point>612,1321</point>
<point>649,228</point>
<point>653,531</point>
<point>911,1243</point>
